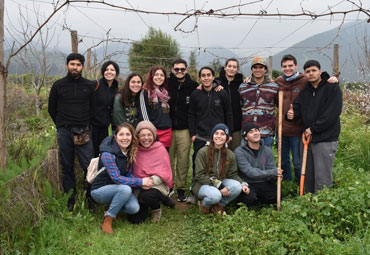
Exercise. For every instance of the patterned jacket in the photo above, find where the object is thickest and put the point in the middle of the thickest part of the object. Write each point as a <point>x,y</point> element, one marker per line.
<point>258,105</point>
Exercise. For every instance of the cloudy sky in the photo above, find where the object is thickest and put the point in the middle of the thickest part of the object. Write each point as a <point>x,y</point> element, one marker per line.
<point>245,35</point>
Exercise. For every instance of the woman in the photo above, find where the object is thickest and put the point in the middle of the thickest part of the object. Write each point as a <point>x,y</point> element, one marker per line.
<point>114,185</point>
<point>156,99</point>
<point>105,91</point>
<point>216,182</point>
<point>152,161</point>
<point>126,103</point>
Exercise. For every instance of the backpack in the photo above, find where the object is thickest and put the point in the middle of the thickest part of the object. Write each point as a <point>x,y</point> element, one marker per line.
<point>92,170</point>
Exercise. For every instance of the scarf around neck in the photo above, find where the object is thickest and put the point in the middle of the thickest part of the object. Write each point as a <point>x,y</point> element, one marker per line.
<point>160,95</point>
<point>291,78</point>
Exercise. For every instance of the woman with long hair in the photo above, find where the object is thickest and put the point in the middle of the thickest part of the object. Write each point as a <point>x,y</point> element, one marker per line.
<point>156,97</point>
<point>126,102</point>
<point>216,182</point>
<point>113,186</point>
<point>105,90</point>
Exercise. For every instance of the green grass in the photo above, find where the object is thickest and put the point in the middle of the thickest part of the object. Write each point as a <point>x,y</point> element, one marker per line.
<point>333,221</point>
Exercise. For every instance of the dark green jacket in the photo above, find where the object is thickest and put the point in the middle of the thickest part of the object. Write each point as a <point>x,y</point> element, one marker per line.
<point>231,170</point>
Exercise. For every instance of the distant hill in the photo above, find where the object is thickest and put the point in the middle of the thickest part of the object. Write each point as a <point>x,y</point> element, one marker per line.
<point>303,51</point>
<point>349,50</point>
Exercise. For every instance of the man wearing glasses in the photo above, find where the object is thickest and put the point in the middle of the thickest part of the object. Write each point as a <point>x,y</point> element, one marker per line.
<point>181,86</point>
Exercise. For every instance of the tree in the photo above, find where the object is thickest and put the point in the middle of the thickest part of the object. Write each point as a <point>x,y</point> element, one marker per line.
<point>35,58</point>
<point>156,48</point>
<point>193,65</point>
<point>276,73</point>
<point>216,65</point>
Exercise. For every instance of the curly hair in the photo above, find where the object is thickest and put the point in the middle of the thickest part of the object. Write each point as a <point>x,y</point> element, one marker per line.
<point>221,163</point>
<point>132,149</point>
<point>125,92</point>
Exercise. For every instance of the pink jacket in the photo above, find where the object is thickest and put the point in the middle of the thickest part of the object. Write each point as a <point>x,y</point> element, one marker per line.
<point>154,161</point>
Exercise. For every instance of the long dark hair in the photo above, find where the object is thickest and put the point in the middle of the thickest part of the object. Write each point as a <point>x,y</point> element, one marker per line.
<point>222,162</point>
<point>149,84</point>
<point>106,64</point>
<point>125,92</point>
<point>131,156</point>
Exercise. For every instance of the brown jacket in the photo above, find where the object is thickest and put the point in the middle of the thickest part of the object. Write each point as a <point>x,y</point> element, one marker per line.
<point>291,90</point>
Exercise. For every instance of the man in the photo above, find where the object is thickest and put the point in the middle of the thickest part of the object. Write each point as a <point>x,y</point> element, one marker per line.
<point>259,97</point>
<point>180,86</point>
<point>207,108</point>
<point>319,105</point>
<point>71,102</point>
<point>230,80</point>
<point>256,167</point>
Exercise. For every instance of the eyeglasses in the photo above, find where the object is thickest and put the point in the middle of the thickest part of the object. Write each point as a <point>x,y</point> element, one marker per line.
<point>179,70</point>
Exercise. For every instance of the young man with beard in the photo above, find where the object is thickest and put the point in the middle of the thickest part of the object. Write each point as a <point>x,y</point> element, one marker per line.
<point>291,83</point>
<point>180,86</point>
<point>71,103</point>
<point>230,79</point>
<point>319,105</point>
<point>259,97</point>
<point>257,167</point>
<point>207,108</point>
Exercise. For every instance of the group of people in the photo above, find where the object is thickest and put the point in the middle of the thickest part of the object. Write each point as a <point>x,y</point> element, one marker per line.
<point>230,122</point>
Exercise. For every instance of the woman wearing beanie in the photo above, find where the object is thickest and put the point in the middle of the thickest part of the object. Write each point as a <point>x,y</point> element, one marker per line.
<point>155,99</point>
<point>216,182</point>
<point>152,160</point>
<point>114,185</point>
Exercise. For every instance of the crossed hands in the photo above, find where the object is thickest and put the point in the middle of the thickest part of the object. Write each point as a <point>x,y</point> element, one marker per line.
<point>147,183</point>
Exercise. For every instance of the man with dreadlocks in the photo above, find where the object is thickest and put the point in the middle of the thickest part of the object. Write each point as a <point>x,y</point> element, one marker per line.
<point>216,182</point>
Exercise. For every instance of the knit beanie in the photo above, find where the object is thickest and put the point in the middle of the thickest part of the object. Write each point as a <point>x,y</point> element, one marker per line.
<point>145,124</point>
<point>221,126</point>
<point>248,127</point>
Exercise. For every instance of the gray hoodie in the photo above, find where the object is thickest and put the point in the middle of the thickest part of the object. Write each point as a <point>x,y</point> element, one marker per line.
<point>254,169</point>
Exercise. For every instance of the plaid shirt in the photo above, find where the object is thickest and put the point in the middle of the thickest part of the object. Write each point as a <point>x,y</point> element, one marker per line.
<point>109,162</point>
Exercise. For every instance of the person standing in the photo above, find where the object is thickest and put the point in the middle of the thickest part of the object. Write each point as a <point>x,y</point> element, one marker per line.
<point>126,102</point>
<point>71,106</point>
<point>231,79</point>
<point>180,87</point>
<point>259,97</point>
<point>319,105</point>
<point>207,108</point>
<point>105,91</point>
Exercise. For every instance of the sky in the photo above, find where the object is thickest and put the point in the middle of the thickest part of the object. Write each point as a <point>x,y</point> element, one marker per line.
<point>244,35</point>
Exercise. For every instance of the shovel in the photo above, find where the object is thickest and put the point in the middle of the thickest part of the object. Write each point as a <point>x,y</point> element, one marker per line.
<point>306,141</point>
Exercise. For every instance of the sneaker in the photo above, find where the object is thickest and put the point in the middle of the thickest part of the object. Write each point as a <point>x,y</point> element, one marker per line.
<point>190,199</point>
<point>181,197</point>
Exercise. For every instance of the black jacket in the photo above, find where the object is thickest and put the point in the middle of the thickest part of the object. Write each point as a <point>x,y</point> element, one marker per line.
<point>110,145</point>
<point>71,101</point>
<point>320,109</point>
<point>160,119</point>
<point>233,89</point>
<point>206,109</point>
<point>180,97</point>
<point>104,98</point>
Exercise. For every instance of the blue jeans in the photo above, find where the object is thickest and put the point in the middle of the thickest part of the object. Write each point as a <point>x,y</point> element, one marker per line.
<point>291,144</point>
<point>211,195</point>
<point>268,141</point>
<point>120,198</point>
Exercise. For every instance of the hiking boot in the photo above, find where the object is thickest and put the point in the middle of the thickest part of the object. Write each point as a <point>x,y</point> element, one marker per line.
<point>169,202</point>
<point>190,199</point>
<point>218,209</point>
<point>107,225</point>
<point>203,209</point>
<point>156,215</point>
<point>181,197</point>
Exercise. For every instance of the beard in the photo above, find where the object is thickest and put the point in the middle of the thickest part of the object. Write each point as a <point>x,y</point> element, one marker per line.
<point>75,74</point>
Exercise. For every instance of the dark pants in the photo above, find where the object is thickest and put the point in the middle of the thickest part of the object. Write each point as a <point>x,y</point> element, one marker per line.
<point>149,198</point>
<point>261,192</point>
<point>67,151</point>
<point>98,134</point>
<point>197,145</point>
